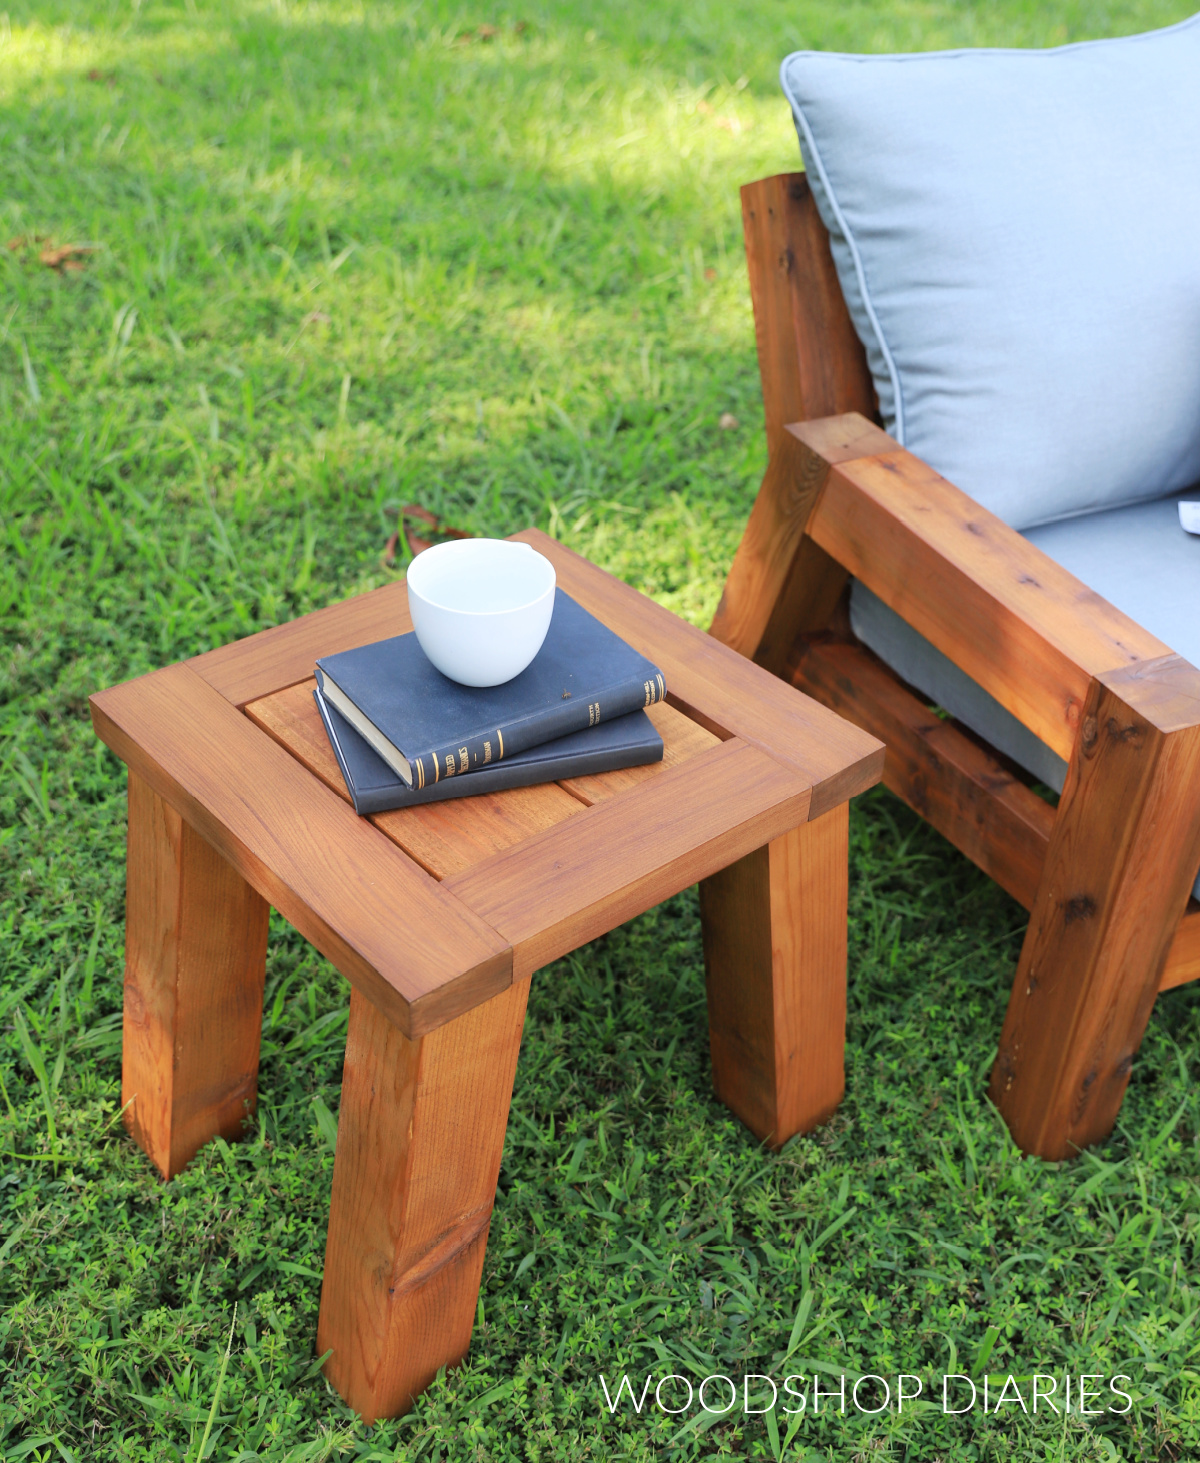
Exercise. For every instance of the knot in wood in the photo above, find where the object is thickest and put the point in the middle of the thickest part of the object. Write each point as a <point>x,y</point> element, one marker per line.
<point>1130,732</point>
<point>1079,906</point>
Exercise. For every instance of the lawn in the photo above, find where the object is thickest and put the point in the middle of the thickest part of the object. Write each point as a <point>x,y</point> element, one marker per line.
<point>347,256</point>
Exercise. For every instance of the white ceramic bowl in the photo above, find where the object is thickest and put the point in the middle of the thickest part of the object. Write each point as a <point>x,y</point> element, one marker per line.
<point>481,607</point>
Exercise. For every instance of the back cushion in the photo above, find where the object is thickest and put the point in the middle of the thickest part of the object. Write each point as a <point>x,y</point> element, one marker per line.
<point>1017,234</point>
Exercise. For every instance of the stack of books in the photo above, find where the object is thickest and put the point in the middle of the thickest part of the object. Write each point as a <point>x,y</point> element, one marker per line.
<point>404,734</point>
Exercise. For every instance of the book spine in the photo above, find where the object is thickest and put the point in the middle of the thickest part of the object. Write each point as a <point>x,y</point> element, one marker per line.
<point>474,753</point>
<point>505,775</point>
<point>335,743</point>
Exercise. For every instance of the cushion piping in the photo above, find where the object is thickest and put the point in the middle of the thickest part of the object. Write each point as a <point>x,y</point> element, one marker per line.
<point>873,58</point>
<point>831,197</point>
<point>852,244</point>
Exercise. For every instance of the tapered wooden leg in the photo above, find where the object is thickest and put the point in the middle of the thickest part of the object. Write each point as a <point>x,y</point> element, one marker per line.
<point>195,959</point>
<point>775,959</point>
<point>420,1135</point>
<point>1115,884</point>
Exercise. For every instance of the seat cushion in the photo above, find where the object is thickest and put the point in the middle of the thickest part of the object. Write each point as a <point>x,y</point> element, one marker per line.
<point>1138,558</point>
<point>1015,233</point>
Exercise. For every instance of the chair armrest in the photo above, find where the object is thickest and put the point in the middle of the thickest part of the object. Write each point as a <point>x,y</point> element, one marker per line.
<point>1019,624</point>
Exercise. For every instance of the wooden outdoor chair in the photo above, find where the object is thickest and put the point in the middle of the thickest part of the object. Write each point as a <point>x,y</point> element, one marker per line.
<point>1107,877</point>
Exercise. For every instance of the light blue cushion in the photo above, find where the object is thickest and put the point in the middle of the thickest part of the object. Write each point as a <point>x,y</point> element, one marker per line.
<point>943,684</point>
<point>1138,558</point>
<point>1017,234</point>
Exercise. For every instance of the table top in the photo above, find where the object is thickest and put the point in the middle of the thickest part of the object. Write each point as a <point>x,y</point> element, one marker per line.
<point>432,910</point>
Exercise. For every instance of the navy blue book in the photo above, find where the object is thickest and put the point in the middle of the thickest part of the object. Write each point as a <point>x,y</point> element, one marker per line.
<point>629,741</point>
<point>427,727</point>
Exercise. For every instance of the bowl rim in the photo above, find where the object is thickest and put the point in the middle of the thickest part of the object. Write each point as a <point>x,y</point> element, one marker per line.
<point>461,544</point>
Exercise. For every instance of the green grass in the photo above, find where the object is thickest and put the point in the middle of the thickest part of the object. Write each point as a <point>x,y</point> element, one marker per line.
<point>349,256</point>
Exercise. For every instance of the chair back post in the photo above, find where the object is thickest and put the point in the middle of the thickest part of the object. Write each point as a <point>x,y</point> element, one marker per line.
<point>811,360</point>
<point>812,365</point>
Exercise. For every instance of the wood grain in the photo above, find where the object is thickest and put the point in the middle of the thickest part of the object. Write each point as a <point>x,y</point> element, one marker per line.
<point>387,925</point>
<point>810,359</point>
<point>444,838</point>
<point>566,886</point>
<point>781,584</point>
<point>449,838</point>
<point>1118,872</point>
<point>285,654</point>
<point>683,739</point>
<point>195,959</point>
<point>812,597</point>
<point>775,963</point>
<point>723,691</point>
<point>955,782</point>
<point>291,718</point>
<point>1183,958</point>
<point>1026,630</point>
<point>812,365</point>
<point>420,1136</point>
<point>938,768</point>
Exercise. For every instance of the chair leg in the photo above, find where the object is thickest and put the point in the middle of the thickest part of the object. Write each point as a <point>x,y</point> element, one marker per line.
<point>420,1135</point>
<point>1114,887</point>
<point>775,959</point>
<point>195,960</point>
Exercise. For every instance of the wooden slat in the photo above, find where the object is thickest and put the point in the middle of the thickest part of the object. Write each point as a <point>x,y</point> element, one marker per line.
<point>775,973</point>
<point>682,738</point>
<point>447,838</point>
<point>285,654</point>
<point>444,838</point>
<point>291,717</point>
<point>722,690</point>
<point>810,359</point>
<point>944,774</point>
<point>390,928</point>
<point>571,884</point>
<point>939,771</point>
<point>1115,885</point>
<point>420,1136</point>
<point>1020,625</point>
<point>1183,958</point>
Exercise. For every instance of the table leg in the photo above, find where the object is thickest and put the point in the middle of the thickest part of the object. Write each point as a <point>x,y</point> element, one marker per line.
<point>195,959</point>
<point>420,1135</point>
<point>775,959</point>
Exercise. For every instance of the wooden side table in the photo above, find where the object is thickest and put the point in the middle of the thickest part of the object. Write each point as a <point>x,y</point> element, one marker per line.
<point>438,916</point>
